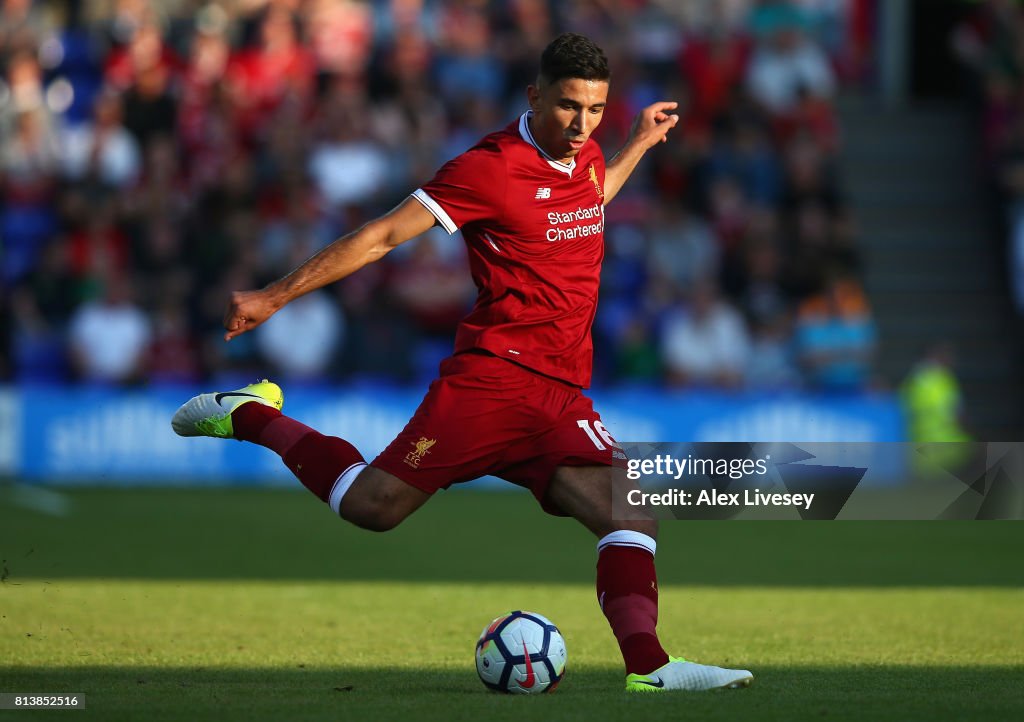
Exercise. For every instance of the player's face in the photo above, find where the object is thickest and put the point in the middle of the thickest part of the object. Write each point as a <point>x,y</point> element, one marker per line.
<point>565,113</point>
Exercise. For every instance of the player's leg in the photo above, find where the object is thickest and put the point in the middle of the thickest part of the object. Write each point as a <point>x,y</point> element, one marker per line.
<point>627,584</point>
<point>330,467</point>
<point>378,501</point>
<point>585,494</point>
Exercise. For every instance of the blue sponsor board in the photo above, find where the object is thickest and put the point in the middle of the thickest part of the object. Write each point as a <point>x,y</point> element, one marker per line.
<point>81,435</point>
<point>653,415</point>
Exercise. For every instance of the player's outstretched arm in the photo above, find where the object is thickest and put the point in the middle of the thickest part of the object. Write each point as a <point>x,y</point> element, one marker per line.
<point>248,309</point>
<point>650,128</point>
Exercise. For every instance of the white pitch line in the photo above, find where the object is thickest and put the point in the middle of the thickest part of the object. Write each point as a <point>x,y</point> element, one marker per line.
<point>38,499</point>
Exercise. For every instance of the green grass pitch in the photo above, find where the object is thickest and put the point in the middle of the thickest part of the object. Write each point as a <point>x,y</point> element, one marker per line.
<point>258,604</point>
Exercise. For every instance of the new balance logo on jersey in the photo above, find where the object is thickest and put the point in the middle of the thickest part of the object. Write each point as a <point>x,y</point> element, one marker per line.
<point>542,193</point>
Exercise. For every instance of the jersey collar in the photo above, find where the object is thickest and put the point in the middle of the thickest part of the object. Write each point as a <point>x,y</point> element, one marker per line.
<point>524,131</point>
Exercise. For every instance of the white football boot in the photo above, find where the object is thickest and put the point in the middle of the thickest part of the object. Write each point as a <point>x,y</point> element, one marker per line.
<point>210,414</point>
<point>680,674</point>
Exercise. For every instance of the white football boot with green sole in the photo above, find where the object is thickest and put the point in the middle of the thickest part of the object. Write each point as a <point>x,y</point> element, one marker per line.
<point>680,674</point>
<point>210,414</point>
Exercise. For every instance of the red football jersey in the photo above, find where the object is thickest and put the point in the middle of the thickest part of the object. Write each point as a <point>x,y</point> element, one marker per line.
<point>534,228</point>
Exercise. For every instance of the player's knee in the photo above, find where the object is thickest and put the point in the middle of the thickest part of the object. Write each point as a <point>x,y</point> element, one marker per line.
<point>384,520</point>
<point>377,523</point>
<point>378,512</point>
<point>378,501</point>
<point>371,516</point>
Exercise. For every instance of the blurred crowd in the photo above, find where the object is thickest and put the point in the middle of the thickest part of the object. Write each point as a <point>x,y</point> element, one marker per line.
<point>989,42</point>
<point>157,155</point>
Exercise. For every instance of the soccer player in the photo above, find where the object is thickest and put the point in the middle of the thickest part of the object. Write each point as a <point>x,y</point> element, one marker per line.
<point>529,200</point>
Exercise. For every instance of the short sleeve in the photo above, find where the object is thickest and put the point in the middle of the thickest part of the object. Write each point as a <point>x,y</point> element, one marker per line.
<point>468,188</point>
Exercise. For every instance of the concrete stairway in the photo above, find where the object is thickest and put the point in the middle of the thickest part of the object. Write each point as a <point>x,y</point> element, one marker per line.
<point>934,262</point>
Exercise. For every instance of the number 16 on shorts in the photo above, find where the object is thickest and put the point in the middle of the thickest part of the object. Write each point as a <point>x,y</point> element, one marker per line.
<point>597,430</point>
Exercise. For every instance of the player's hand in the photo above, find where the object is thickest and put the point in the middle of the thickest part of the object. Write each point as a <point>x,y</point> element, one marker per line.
<point>246,311</point>
<point>653,123</point>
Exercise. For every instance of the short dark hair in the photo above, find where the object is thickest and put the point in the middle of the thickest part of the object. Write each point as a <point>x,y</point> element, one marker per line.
<point>571,55</point>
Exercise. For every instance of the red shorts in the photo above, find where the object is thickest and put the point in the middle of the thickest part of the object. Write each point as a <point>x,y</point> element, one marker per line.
<point>487,416</point>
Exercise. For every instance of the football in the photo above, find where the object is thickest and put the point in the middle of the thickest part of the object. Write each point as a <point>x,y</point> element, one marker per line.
<point>521,653</point>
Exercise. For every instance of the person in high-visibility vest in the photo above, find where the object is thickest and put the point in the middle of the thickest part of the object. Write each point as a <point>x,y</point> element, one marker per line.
<point>934,405</point>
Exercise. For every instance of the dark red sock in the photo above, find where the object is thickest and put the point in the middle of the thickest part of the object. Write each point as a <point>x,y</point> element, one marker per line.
<point>249,420</point>
<point>316,460</point>
<point>627,589</point>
